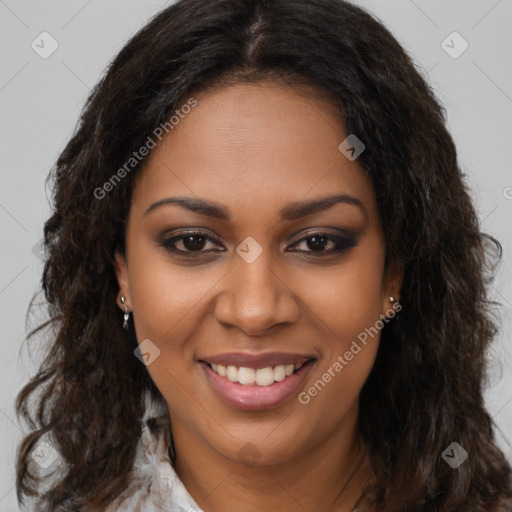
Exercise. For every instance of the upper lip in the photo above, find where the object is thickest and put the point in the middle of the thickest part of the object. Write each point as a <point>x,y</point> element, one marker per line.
<point>246,360</point>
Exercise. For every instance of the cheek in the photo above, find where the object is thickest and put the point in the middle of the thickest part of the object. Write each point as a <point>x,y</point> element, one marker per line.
<point>332,394</point>
<point>347,298</point>
<point>164,295</point>
<point>166,299</point>
<point>351,335</point>
<point>347,312</point>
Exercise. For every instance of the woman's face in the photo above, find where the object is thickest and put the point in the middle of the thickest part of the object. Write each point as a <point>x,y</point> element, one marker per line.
<point>271,258</point>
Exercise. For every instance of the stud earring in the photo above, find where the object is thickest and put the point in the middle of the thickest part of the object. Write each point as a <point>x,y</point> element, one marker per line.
<point>126,315</point>
<point>396,307</point>
<point>395,303</point>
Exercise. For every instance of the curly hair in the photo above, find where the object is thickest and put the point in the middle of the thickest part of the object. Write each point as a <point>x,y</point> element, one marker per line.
<point>425,389</point>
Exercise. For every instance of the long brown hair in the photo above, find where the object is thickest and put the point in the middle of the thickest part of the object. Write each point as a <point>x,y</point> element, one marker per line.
<point>425,390</point>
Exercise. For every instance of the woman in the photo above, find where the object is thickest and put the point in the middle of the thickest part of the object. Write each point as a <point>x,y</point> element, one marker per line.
<point>266,280</point>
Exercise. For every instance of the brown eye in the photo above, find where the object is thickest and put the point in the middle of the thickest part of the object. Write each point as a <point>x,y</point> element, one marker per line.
<point>194,242</point>
<point>189,243</point>
<point>319,243</point>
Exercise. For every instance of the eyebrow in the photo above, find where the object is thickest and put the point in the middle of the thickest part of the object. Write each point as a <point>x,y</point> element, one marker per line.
<point>292,211</point>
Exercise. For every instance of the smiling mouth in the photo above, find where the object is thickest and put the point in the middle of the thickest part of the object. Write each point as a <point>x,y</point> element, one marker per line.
<point>262,377</point>
<point>265,382</point>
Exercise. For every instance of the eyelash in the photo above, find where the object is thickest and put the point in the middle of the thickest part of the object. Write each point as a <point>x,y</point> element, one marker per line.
<point>342,243</point>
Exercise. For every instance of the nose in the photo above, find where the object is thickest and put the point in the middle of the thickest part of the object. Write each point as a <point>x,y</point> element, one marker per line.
<point>254,298</point>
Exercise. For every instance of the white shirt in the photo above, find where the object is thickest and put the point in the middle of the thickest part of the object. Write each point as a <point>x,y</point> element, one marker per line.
<point>155,485</point>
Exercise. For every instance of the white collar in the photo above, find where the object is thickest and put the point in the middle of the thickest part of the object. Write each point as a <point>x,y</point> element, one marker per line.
<point>154,485</point>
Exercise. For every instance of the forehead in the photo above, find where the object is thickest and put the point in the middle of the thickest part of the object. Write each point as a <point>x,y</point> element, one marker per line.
<point>264,145</point>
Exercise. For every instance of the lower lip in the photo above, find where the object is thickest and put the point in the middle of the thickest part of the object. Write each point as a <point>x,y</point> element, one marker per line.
<point>255,398</point>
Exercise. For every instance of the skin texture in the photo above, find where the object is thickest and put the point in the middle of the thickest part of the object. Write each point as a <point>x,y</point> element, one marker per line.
<point>254,149</point>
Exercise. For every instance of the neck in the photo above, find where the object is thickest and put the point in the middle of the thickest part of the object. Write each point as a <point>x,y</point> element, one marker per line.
<point>328,476</point>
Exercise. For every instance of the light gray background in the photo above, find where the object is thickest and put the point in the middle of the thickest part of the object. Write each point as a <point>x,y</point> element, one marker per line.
<point>40,100</point>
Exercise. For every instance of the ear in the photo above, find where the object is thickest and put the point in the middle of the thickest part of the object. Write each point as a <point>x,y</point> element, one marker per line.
<point>392,285</point>
<point>121,269</point>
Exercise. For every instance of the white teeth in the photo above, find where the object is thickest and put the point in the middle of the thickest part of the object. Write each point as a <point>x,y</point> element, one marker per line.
<point>260,377</point>
<point>246,376</point>
<point>280,372</point>
<point>265,376</point>
<point>232,373</point>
